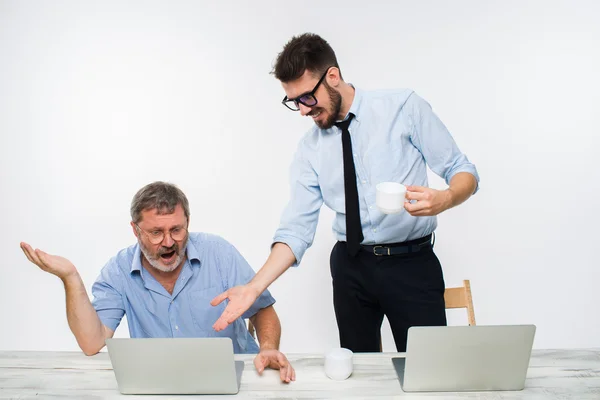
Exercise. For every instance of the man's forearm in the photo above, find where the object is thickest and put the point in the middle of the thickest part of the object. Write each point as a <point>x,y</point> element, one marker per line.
<point>82,317</point>
<point>268,328</point>
<point>462,186</point>
<point>280,259</point>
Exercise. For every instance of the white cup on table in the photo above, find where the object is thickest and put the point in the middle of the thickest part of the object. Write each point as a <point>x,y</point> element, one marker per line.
<point>339,363</point>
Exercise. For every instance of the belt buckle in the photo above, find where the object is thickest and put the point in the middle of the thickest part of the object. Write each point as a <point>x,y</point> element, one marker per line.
<point>381,254</point>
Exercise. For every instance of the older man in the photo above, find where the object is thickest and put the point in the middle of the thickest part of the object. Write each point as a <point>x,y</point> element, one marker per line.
<point>164,284</point>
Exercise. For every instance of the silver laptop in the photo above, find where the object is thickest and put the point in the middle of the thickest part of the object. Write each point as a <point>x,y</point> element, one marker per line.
<point>465,358</point>
<point>175,365</point>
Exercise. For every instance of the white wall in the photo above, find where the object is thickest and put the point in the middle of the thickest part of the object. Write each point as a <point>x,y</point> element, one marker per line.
<point>100,98</point>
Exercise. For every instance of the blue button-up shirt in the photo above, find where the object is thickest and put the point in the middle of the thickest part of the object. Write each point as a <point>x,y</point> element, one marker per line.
<point>395,135</point>
<point>212,266</point>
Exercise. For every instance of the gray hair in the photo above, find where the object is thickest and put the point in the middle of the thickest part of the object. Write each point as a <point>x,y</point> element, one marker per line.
<point>162,196</point>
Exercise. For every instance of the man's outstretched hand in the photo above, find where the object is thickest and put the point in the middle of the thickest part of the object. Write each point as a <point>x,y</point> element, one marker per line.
<point>240,298</point>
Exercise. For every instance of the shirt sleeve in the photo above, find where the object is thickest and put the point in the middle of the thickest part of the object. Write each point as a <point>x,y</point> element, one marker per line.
<point>108,301</point>
<point>431,137</point>
<point>299,219</point>
<point>240,273</point>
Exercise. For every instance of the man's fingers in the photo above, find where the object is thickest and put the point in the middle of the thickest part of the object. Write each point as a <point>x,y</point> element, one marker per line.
<point>416,188</point>
<point>285,369</point>
<point>26,253</point>
<point>415,195</point>
<point>418,209</point>
<point>219,299</point>
<point>288,375</point>
<point>43,257</point>
<point>231,316</point>
<point>419,213</point>
<point>226,318</point>
<point>283,374</point>
<point>32,256</point>
<point>259,364</point>
<point>221,323</point>
<point>412,207</point>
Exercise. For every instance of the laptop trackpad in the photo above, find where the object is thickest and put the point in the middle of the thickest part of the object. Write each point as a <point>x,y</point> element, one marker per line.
<point>399,365</point>
<point>239,368</point>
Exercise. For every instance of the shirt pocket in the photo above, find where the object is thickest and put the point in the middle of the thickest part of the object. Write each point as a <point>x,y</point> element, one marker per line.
<point>389,162</point>
<point>203,314</point>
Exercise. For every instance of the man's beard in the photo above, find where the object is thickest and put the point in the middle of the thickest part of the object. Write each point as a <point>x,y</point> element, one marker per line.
<point>155,260</point>
<point>335,99</point>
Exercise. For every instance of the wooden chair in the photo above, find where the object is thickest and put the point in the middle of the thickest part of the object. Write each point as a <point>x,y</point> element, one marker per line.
<point>457,297</point>
<point>251,329</point>
<point>460,297</point>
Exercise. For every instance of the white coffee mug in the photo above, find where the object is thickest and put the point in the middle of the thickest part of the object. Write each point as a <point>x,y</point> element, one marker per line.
<point>338,363</point>
<point>390,197</point>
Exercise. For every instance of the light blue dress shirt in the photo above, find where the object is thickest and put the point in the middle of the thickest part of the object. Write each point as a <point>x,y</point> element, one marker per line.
<point>395,135</point>
<point>212,266</point>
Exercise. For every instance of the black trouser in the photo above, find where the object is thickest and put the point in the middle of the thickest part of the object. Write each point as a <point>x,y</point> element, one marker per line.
<point>407,288</point>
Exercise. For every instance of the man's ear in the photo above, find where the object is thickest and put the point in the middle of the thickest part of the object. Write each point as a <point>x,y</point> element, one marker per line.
<point>333,77</point>
<point>135,232</point>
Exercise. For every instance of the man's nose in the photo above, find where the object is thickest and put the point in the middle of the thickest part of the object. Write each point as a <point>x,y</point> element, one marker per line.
<point>304,110</point>
<point>168,240</point>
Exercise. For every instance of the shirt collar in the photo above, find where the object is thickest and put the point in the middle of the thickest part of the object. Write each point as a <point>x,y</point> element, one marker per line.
<point>356,103</point>
<point>190,252</point>
<point>355,106</point>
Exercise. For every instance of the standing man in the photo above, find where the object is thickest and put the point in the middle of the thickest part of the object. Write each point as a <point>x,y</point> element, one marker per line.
<point>382,264</point>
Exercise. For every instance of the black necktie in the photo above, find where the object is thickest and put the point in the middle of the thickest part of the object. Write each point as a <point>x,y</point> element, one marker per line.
<point>354,235</point>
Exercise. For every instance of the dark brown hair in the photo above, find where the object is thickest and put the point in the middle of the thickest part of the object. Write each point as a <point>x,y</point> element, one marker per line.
<point>304,52</point>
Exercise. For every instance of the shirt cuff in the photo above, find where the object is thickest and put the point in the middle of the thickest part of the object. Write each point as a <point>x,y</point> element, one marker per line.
<point>298,246</point>
<point>465,168</point>
<point>264,300</point>
<point>110,319</point>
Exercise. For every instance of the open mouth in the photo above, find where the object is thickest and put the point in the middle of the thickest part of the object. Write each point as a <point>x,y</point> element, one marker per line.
<point>168,256</point>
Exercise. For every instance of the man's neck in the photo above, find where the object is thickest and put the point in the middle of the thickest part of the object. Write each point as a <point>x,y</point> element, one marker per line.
<point>347,92</point>
<point>166,279</point>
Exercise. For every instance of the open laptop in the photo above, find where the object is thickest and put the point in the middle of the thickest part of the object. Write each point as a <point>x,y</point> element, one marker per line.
<point>175,365</point>
<point>465,358</point>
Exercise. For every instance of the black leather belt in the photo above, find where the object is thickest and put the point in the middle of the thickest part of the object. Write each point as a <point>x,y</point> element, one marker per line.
<point>390,249</point>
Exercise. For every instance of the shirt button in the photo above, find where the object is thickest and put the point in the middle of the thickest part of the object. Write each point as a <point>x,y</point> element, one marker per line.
<point>176,328</point>
<point>364,181</point>
<point>374,230</point>
<point>370,208</point>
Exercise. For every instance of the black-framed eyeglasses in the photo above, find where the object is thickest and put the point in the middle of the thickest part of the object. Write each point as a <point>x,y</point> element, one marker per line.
<point>156,236</point>
<point>308,99</point>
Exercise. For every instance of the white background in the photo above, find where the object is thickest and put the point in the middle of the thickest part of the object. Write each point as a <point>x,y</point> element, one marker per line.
<point>98,99</point>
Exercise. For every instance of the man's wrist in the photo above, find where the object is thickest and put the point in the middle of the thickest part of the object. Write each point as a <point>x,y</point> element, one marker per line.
<point>268,346</point>
<point>72,280</point>
<point>256,287</point>
<point>450,198</point>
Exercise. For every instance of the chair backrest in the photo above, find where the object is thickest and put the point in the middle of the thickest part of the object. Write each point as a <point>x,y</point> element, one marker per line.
<point>460,297</point>
<point>457,297</point>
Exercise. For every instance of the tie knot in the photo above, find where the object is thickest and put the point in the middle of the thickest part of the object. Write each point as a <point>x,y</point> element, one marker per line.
<point>343,125</point>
